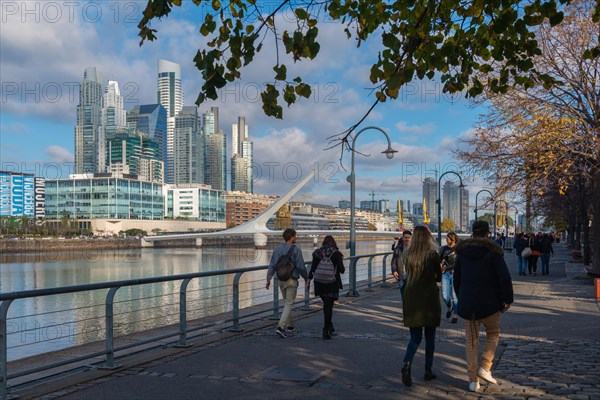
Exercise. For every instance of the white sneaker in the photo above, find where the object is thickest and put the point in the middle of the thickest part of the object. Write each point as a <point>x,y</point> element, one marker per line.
<point>486,376</point>
<point>474,386</point>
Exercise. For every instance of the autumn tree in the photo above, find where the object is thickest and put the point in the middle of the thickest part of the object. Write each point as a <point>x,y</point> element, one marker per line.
<point>469,45</point>
<point>447,225</point>
<point>540,135</point>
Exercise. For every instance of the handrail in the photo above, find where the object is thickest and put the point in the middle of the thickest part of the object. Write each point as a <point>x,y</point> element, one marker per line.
<point>7,298</point>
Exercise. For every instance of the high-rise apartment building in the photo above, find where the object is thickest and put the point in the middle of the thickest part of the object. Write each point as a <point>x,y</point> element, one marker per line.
<point>242,157</point>
<point>134,154</point>
<point>430,195</point>
<point>170,96</point>
<point>150,119</point>
<point>113,112</point>
<point>89,134</point>
<point>215,150</point>
<point>188,158</point>
<point>464,210</point>
<point>450,202</point>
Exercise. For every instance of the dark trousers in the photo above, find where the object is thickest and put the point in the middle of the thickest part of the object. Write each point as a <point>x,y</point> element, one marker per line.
<point>532,263</point>
<point>416,334</point>
<point>327,310</point>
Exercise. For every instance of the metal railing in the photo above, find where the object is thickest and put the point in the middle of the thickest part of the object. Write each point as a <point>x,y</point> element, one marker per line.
<point>182,332</point>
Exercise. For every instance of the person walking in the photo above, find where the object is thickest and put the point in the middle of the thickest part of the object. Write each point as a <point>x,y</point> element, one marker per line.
<point>421,306</point>
<point>484,288</point>
<point>519,245</point>
<point>288,288</point>
<point>448,256</point>
<point>535,244</point>
<point>328,291</point>
<point>397,266</point>
<point>547,250</point>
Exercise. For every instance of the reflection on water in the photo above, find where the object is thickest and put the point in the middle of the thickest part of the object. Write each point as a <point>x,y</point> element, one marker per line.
<point>50,323</point>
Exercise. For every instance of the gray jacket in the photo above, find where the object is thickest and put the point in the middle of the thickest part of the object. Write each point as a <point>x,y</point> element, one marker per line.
<point>282,249</point>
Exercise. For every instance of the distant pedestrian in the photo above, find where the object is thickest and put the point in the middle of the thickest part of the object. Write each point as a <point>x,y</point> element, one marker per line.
<point>421,306</point>
<point>329,292</point>
<point>535,244</point>
<point>448,256</point>
<point>484,288</point>
<point>520,244</point>
<point>547,250</point>
<point>397,267</point>
<point>499,241</point>
<point>288,288</point>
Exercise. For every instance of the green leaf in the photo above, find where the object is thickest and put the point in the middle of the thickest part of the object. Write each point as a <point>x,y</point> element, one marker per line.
<point>280,72</point>
<point>301,13</point>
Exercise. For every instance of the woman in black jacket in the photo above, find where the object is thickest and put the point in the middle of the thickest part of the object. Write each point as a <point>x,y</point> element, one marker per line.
<point>329,292</point>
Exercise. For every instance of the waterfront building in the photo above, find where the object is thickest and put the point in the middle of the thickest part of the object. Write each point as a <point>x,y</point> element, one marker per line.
<point>242,206</point>
<point>150,119</point>
<point>21,195</point>
<point>430,196</point>
<point>104,195</point>
<point>89,134</point>
<point>194,202</point>
<point>450,202</point>
<point>417,208</point>
<point>304,221</point>
<point>170,96</point>
<point>463,225</point>
<point>215,150</point>
<point>242,157</point>
<point>188,145</point>
<point>375,205</point>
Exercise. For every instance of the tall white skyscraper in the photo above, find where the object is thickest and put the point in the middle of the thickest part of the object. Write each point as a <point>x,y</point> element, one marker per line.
<point>430,196</point>
<point>89,134</point>
<point>170,96</point>
<point>114,117</point>
<point>241,160</point>
<point>189,148</point>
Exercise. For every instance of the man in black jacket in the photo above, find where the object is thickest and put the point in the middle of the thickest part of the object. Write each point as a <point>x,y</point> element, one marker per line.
<point>484,289</point>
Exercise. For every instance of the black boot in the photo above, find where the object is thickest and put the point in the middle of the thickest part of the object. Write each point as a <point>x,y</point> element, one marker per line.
<point>331,329</point>
<point>406,378</point>
<point>429,375</point>
<point>326,333</point>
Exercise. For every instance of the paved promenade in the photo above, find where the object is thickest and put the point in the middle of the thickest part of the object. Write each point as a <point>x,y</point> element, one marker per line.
<point>549,349</point>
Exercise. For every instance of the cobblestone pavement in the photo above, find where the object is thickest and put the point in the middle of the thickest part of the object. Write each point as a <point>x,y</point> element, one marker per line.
<point>549,349</point>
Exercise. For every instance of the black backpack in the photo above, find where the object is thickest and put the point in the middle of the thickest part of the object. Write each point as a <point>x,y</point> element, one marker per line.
<point>285,265</point>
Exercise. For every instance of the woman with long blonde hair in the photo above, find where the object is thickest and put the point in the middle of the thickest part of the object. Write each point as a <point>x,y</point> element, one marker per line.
<point>421,305</point>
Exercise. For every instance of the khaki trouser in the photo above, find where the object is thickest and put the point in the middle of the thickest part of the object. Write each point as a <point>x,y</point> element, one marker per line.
<point>288,290</point>
<point>492,329</point>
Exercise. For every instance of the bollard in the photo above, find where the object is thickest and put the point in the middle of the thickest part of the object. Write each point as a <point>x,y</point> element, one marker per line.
<point>597,283</point>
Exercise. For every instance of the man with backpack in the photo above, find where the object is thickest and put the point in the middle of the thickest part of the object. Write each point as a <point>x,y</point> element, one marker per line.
<point>288,264</point>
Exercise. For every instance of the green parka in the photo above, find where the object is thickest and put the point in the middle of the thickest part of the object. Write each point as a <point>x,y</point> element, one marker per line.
<point>421,305</point>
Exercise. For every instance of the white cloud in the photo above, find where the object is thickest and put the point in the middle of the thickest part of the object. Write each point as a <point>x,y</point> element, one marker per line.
<point>424,129</point>
<point>59,154</point>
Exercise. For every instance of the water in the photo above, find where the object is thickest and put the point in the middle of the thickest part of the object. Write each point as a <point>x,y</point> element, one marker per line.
<point>49,323</point>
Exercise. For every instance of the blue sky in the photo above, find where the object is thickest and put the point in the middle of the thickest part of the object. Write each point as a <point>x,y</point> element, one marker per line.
<point>45,47</point>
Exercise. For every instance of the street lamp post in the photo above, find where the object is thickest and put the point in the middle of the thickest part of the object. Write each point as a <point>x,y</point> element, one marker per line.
<point>439,201</point>
<point>389,153</point>
<point>482,190</point>
<point>516,214</point>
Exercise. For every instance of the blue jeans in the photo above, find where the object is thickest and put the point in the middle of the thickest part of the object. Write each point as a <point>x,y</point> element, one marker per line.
<point>522,264</point>
<point>448,294</point>
<point>545,263</point>
<point>416,334</point>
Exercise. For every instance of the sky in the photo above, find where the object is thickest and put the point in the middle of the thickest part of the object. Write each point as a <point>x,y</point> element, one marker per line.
<point>45,46</point>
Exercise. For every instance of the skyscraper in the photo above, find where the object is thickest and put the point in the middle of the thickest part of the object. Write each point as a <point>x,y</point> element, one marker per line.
<point>430,196</point>
<point>150,119</point>
<point>215,150</point>
<point>135,154</point>
<point>188,159</point>
<point>451,203</point>
<point>170,96</point>
<point>464,209</point>
<point>89,135</point>
<point>113,113</point>
<point>241,159</point>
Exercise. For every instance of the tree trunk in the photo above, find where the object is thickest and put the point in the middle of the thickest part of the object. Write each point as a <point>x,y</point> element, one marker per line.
<point>571,237</point>
<point>595,241</point>
<point>586,241</point>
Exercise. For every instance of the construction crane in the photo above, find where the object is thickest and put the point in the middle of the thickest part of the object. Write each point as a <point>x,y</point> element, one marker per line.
<point>373,194</point>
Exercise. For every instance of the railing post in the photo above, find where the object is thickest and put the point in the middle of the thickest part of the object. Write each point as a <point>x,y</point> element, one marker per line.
<point>236,303</point>
<point>352,278</point>
<point>109,322</point>
<point>183,314</point>
<point>383,272</point>
<point>275,298</point>
<point>4,349</point>
<point>369,274</point>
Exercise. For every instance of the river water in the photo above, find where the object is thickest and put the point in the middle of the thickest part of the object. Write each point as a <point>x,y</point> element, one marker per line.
<point>49,323</point>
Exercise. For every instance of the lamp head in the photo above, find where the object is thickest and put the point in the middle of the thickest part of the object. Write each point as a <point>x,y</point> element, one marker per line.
<point>389,152</point>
